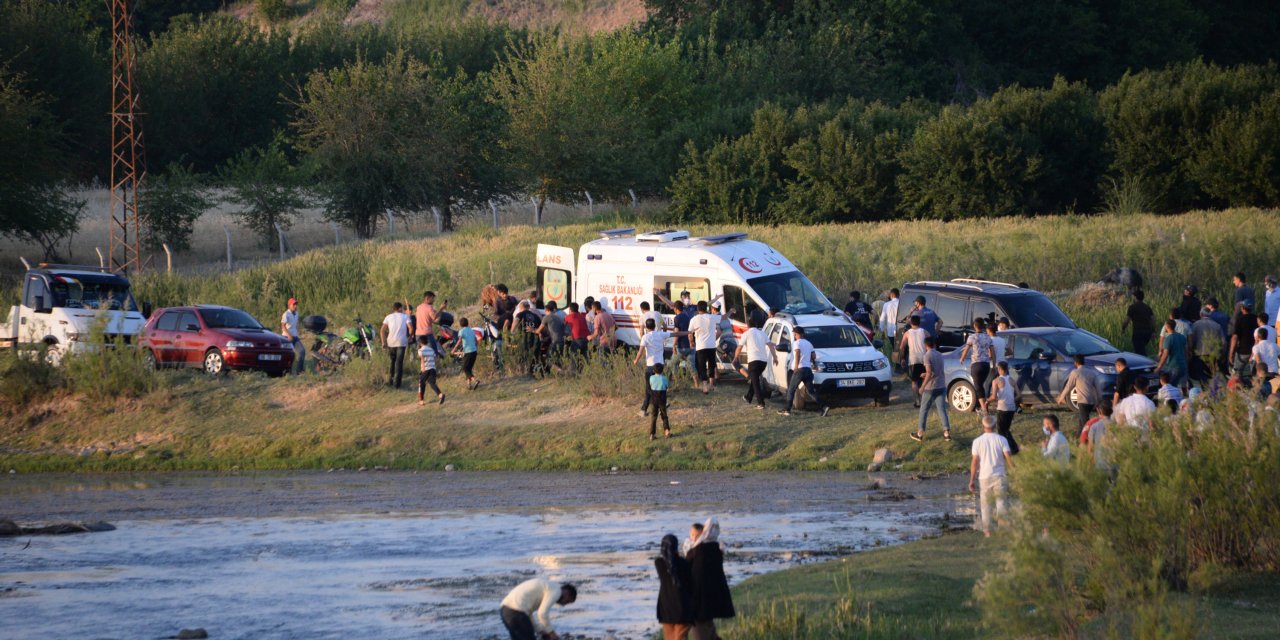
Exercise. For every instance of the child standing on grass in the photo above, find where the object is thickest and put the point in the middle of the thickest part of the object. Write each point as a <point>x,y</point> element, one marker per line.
<point>468,348</point>
<point>427,375</point>
<point>658,385</point>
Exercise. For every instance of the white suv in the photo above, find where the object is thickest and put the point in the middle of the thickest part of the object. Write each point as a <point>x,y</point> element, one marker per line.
<point>848,363</point>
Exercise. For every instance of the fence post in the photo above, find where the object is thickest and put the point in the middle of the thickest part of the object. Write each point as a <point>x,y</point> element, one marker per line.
<point>102,262</point>
<point>493,206</point>
<point>391,223</point>
<point>336,238</point>
<point>634,200</point>
<point>168,258</point>
<point>537,213</point>
<point>591,204</point>
<point>435,211</point>
<point>280,236</point>
<point>227,231</point>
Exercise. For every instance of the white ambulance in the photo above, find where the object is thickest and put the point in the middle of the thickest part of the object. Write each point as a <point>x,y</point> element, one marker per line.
<point>622,269</point>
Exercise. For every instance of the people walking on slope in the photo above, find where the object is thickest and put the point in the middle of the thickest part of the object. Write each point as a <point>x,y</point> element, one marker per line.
<point>803,359</point>
<point>988,474</point>
<point>393,335</point>
<point>933,391</point>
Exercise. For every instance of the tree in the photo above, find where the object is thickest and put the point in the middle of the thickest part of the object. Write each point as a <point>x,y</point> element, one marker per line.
<point>266,188</point>
<point>33,204</point>
<point>396,136</point>
<point>592,114</point>
<point>169,204</point>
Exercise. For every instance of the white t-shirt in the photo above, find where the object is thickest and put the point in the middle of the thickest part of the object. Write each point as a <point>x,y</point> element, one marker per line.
<point>1098,438</point>
<point>755,344</point>
<point>654,343</point>
<point>651,315</point>
<point>535,598</point>
<point>889,318</point>
<point>397,324</point>
<point>1135,411</point>
<point>999,345</point>
<point>1006,399</point>
<point>990,449</point>
<point>1058,450</point>
<point>703,327</point>
<point>802,351</point>
<point>428,355</point>
<point>290,320</point>
<point>1267,353</point>
<point>915,345</point>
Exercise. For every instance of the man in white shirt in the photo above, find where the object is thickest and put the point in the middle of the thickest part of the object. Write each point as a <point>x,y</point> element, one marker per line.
<point>289,329</point>
<point>394,337</point>
<point>526,611</point>
<point>653,345</point>
<point>988,474</point>
<point>803,359</point>
<point>705,328</point>
<point>1098,435</point>
<point>888,323</point>
<point>648,313</point>
<point>1136,409</point>
<point>759,351</point>
<point>1055,446</point>
<point>1265,352</point>
<point>913,343</point>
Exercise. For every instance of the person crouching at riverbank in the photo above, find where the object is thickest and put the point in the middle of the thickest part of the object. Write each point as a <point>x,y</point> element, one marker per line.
<point>675,604</point>
<point>427,374</point>
<point>526,611</point>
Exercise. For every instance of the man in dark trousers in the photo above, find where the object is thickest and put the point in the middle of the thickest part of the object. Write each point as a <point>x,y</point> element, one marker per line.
<point>526,611</point>
<point>1143,320</point>
<point>1084,381</point>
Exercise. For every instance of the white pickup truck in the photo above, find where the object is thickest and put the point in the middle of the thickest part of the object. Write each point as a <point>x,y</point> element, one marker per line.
<point>61,304</point>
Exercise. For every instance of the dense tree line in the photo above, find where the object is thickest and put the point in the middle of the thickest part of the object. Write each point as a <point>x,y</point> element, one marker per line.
<point>751,110</point>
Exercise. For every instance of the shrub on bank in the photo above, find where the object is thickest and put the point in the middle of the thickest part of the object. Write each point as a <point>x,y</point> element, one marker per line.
<point>1191,503</point>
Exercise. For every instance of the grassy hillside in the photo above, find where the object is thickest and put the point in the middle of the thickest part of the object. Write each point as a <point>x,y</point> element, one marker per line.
<point>1054,254</point>
<point>184,420</point>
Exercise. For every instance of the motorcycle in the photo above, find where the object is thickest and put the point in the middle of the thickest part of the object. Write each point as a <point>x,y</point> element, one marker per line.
<point>331,350</point>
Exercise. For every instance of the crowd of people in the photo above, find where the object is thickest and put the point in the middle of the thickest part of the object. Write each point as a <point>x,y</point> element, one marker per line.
<point>693,591</point>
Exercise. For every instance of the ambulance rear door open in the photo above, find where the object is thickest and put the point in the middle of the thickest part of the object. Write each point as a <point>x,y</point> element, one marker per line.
<point>555,275</point>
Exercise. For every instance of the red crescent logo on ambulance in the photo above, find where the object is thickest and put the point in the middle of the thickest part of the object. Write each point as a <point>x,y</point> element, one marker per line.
<point>750,265</point>
<point>773,261</point>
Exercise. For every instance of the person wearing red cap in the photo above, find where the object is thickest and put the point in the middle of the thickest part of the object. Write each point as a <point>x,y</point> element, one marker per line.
<point>289,329</point>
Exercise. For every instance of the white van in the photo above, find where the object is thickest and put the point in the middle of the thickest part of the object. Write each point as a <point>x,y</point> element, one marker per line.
<point>623,269</point>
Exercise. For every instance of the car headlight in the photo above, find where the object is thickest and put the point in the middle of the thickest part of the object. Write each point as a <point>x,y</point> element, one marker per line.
<point>1109,370</point>
<point>239,344</point>
<point>881,363</point>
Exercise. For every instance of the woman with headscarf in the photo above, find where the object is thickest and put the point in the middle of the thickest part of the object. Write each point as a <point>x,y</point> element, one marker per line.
<point>709,587</point>
<point>675,608</point>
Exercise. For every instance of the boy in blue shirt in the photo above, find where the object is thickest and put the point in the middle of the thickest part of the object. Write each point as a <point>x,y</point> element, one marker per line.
<point>467,347</point>
<point>427,374</point>
<point>658,384</point>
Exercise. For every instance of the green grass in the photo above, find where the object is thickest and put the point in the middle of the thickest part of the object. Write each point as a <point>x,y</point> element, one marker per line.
<point>924,589</point>
<point>1053,254</point>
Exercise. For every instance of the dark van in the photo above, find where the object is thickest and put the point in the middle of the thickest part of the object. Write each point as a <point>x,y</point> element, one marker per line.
<point>957,302</point>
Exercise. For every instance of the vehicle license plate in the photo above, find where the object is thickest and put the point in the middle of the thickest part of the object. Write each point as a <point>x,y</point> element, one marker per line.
<point>853,382</point>
<point>268,356</point>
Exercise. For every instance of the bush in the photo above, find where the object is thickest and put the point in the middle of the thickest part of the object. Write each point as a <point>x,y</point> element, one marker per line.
<point>1195,497</point>
<point>1021,151</point>
<point>1160,122</point>
<point>267,189</point>
<point>272,10</point>
<point>1239,161</point>
<point>169,205</point>
<point>26,377</point>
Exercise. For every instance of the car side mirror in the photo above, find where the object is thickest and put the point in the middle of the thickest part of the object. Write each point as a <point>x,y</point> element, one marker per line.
<point>877,343</point>
<point>784,348</point>
<point>146,309</point>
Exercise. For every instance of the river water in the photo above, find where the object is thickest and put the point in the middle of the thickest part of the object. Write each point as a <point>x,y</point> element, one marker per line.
<point>414,555</point>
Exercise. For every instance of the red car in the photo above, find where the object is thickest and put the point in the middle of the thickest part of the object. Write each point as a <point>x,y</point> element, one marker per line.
<point>215,339</point>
